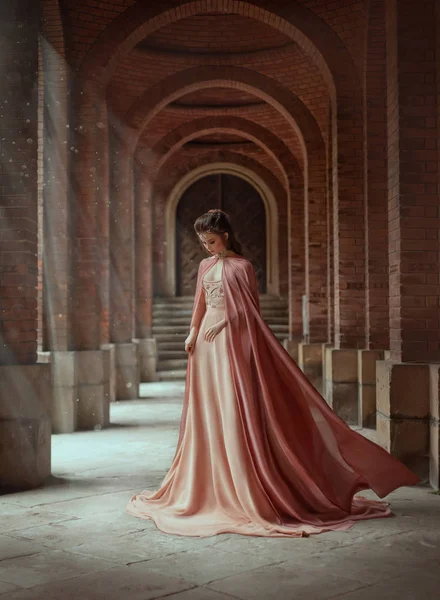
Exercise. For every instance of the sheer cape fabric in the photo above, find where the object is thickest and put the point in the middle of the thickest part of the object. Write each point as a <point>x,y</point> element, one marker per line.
<point>309,462</point>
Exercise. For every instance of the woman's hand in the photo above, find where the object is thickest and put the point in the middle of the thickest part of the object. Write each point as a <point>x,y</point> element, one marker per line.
<point>212,332</point>
<point>191,340</point>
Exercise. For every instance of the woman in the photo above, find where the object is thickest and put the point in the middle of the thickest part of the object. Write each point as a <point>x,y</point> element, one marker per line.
<point>260,452</point>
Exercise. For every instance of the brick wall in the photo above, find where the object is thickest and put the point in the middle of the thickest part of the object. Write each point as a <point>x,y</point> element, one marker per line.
<point>413,201</point>
<point>376,210</point>
<point>18,189</point>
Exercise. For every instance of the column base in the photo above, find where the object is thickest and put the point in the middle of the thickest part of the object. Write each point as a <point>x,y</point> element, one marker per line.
<point>109,372</point>
<point>25,427</point>
<point>127,371</point>
<point>148,359</point>
<point>291,346</point>
<point>434,427</point>
<point>325,347</point>
<point>93,407</point>
<point>341,383</point>
<point>310,361</point>
<point>403,405</point>
<point>367,360</point>
<point>64,405</point>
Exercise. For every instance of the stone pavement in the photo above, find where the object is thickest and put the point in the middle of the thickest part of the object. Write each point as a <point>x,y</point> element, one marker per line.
<point>72,540</point>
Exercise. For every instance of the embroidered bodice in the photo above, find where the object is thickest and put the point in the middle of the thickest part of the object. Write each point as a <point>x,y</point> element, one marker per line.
<point>214,297</point>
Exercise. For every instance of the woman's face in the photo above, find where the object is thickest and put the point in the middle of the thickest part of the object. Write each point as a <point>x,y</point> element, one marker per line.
<point>213,242</point>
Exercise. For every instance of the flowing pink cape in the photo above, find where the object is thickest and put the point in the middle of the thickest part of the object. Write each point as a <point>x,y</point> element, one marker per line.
<point>309,462</point>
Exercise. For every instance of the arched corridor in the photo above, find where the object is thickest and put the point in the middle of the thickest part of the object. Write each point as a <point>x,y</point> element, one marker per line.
<point>314,124</point>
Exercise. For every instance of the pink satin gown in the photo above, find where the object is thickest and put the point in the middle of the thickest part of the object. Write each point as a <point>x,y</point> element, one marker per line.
<point>213,486</point>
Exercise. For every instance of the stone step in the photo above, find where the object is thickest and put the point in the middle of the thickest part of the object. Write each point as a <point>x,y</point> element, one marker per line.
<point>170,329</point>
<point>174,332</point>
<point>172,353</point>
<point>178,318</point>
<point>177,375</point>
<point>187,310</point>
<point>170,346</point>
<point>263,297</point>
<point>166,340</point>
<point>175,369</point>
<point>171,365</point>
<point>185,303</point>
<point>176,347</point>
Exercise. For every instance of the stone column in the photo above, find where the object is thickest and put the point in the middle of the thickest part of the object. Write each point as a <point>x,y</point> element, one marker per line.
<point>92,403</point>
<point>414,221</point>
<point>434,427</point>
<point>87,283</point>
<point>403,397</point>
<point>296,263</point>
<point>341,382</point>
<point>122,291</point>
<point>25,390</point>
<point>348,225</point>
<point>348,254</point>
<point>109,372</point>
<point>144,276</point>
<point>316,247</point>
<point>376,179</point>
<point>56,241</point>
<point>367,360</point>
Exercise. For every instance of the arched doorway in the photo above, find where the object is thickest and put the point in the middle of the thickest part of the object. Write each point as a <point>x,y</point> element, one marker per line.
<point>246,208</point>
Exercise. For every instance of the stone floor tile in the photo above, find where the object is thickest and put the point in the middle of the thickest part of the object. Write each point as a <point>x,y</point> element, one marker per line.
<point>74,532</point>
<point>14,518</point>
<point>51,566</point>
<point>140,546</point>
<point>60,489</point>
<point>12,548</point>
<point>200,593</point>
<point>119,583</point>
<point>367,563</point>
<point>92,506</point>
<point>284,582</point>
<point>414,585</point>
<point>6,588</point>
<point>202,566</point>
<point>418,545</point>
<point>280,549</point>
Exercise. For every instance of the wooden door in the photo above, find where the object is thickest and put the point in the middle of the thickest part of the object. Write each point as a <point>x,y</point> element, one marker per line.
<point>246,210</point>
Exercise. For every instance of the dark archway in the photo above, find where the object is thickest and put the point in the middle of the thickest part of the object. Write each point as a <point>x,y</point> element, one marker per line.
<point>246,208</point>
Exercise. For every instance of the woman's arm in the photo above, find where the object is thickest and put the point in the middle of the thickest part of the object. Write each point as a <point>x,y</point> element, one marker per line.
<point>199,309</point>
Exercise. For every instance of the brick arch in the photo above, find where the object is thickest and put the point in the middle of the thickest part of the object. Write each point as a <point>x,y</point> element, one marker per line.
<point>155,98</point>
<point>261,136</point>
<point>271,209</point>
<point>52,26</point>
<point>315,37</point>
<point>162,188</point>
<point>187,162</point>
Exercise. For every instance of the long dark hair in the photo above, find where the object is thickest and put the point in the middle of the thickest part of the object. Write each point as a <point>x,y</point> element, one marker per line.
<point>218,222</point>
